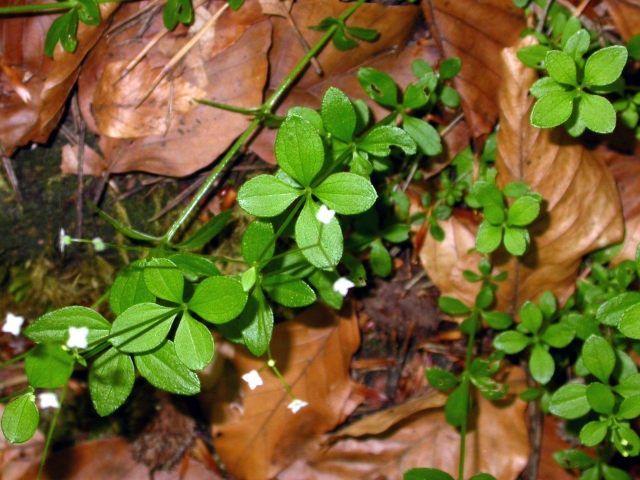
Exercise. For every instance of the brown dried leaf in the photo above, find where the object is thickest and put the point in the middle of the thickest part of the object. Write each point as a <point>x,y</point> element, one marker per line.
<point>313,353</point>
<point>34,87</point>
<point>476,32</point>
<point>92,162</point>
<point>422,438</point>
<point>280,8</point>
<point>626,16</point>
<point>583,211</point>
<point>168,133</point>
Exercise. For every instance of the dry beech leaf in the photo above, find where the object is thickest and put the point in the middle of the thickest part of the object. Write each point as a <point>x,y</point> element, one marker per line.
<point>110,458</point>
<point>583,211</point>
<point>626,171</point>
<point>92,162</point>
<point>626,16</point>
<point>279,8</point>
<point>34,87</point>
<point>313,352</point>
<point>422,438</point>
<point>476,32</point>
<point>169,134</point>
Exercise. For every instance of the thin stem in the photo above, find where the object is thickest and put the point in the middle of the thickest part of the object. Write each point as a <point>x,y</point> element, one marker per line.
<point>52,427</point>
<point>229,108</point>
<point>465,422</point>
<point>41,7</point>
<point>255,124</point>
<point>15,359</point>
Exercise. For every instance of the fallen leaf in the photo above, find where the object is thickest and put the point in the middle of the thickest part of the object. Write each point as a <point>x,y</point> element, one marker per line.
<point>498,445</point>
<point>92,162</point>
<point>276,7</point>
<point>626,16</point>
<point>313,352</point>
<point>583,211</point>
<point>476,32</point>
<point>626,171</point>
<point>35,87</point>
<point>168,133</point>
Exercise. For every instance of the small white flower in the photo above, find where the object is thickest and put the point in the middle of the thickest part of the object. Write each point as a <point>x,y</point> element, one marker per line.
<point>78,337</point>
<point>325,215</point>
<point>48,400</point>
<point>98,244</point>
<point>342,286</point>
<point>63,240</point>
<point>296,404</point>
<point>13,324</point>
<point>253,378</point>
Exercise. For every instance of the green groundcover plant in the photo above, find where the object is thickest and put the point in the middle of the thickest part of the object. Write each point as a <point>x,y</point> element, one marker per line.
<point>329,217</point>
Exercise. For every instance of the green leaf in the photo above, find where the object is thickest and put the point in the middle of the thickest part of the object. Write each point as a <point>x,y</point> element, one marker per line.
<point>497,320</point>
<point>541,365</point>
<point>163,369</point>
<point>593,433</point>
<point>299,150</point>
<point>613,473</point>
<point>323,283</point>
<point>511,341</point>
<point>601,398</point>
<point>258,242</point>
<point>597,113</point>
<point>289,291</point>
<point>598,357</point>
<point>235,4</point>
<point>346,193</point>
<point>53,327</point>
<point>380,259</point>
<point>194,266</point>
<point>48,366</point>
<point>450,67</point>
<point>530,316</point>
<point>570,401</point>
<point>441,379</point>
<point>605,66</point>
<point>257,324</point>
<point>126,230</point>
<point>366,34</point>
<point>573,458</point>
<point>545,85</point>
<point>379,86</point>
<point>633,46</point>
<point>578,44</point>
<point>218,299</point>
<point>89,12</point>
<point>415,96</point>
<point>611,312</point>
<point>341,41</point>
<point>629,386</point>
<point>533,55</point>
<point>338,115</point>
<point>426,137</point>
<point>20,419</point>
<point>266,196</point>
<point>68,34</point>
<point>450,97</point>
<point>552,109</point>
<point>452,306</point>
<point>523,211</point>
<point>54,33</point>
<point>111,380</point>
<point>561,67</point>
<point>129,288</point>
<point>207,232</point>
<point>455,410</point>
<point>142,327</point>
<point>321,244</point>
<point>426,474</point>
<point>629,408</point>
<point>488,238</point>
<point>516,240</point>
<point>380,139</point>
<point>558,335</point>
<point>630,322</point>
<point>164,280</point>
<point>193,343</point>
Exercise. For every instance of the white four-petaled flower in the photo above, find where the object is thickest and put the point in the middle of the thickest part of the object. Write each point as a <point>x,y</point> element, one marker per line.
<point>296,404</point>
<point>325,215</point>
<point>63,240</point>
<point>78,337</point>
<point>12,324</point>
<point>253,379</point>
<point>99,244</point>
<point>48,400</point>
<point>343,285</point>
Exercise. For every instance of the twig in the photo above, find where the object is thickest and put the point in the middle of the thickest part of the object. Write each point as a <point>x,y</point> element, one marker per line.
<point>81,129</point>
<point>543,17</point>
<point>535,435</point>
<point>182,52</point>
<point>123,24</point>
<point>181,197</point>
<point>303,42</point>
<point>580,8</point>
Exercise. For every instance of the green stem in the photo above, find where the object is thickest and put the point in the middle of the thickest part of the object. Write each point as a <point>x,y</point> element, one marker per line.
<point>465,422</point>
<point>15,359</point>
<point>52,427</point>
<point>42,7</point>
<point>229,108</point>
<point>255,124</point>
